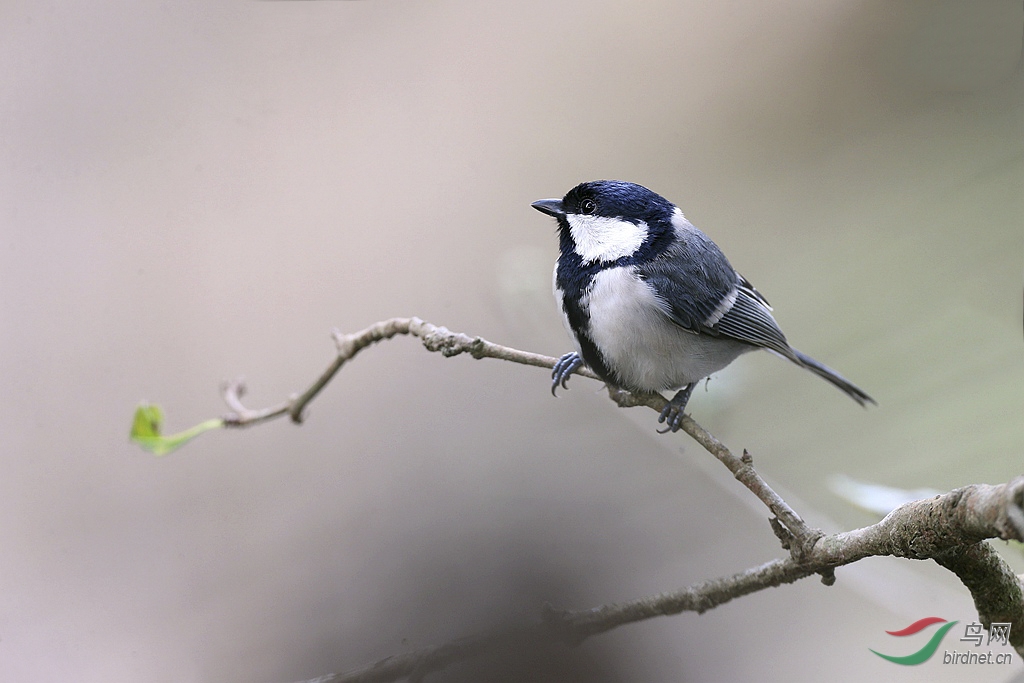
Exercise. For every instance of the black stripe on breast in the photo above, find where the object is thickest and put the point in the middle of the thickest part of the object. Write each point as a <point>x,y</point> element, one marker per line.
<point>575,279</point>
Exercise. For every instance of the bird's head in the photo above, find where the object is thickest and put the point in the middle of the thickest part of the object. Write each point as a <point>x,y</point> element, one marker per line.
<point>607,220</point>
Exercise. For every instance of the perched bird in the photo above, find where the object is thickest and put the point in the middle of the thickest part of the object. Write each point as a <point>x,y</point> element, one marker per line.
<point>650,302</point>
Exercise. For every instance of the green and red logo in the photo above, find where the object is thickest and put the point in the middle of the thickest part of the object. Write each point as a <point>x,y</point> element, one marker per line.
<point>929,648</point>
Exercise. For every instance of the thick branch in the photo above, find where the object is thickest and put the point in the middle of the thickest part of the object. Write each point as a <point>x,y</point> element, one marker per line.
<point>995,588</point>
<point>572,628</point>
<point>938,528</point>
<point>924,529</point>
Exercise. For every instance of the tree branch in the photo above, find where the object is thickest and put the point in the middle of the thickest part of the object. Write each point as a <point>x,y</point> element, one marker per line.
<point>942,522</point>
<point>448,343</point>
<point>434,338</point>
<point>950,529</point>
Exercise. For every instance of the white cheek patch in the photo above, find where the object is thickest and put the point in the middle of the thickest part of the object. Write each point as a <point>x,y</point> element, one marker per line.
<point>599,238</point>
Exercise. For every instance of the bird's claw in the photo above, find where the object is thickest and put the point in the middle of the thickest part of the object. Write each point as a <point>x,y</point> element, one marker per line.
<point>672,414</point>
<point>565,366</point>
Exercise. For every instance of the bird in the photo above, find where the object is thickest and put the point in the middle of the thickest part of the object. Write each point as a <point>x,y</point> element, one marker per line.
<point>650,302</point>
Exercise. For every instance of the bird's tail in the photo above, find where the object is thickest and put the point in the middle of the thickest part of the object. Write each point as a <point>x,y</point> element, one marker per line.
<point>827,373</point>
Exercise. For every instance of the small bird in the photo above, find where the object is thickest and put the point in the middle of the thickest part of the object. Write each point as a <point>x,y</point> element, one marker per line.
<point>651,303</point>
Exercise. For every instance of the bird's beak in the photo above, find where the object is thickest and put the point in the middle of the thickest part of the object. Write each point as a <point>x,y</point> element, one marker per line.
<point>552,207</point>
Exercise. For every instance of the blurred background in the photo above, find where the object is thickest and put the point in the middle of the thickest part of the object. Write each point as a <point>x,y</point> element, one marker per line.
<point>192,191</point>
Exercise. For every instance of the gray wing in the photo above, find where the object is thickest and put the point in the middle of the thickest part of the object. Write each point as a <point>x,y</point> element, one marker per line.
<point>750,320</point>
<point>700,292</point>
<point>703,294</point>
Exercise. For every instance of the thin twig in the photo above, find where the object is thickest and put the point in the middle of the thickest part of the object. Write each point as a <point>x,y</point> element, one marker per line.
<point>448,343</point>
<point>434,337</point>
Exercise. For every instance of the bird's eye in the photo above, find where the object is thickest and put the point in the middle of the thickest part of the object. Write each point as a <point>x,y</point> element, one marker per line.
<point>588,206</point>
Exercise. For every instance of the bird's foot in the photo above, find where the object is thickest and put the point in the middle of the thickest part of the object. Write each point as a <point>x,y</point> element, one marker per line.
<point>672,414</point>
<point>565,366</point>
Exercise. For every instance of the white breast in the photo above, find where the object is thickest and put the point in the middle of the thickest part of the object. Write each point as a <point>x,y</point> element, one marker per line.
<point>628,323</point>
